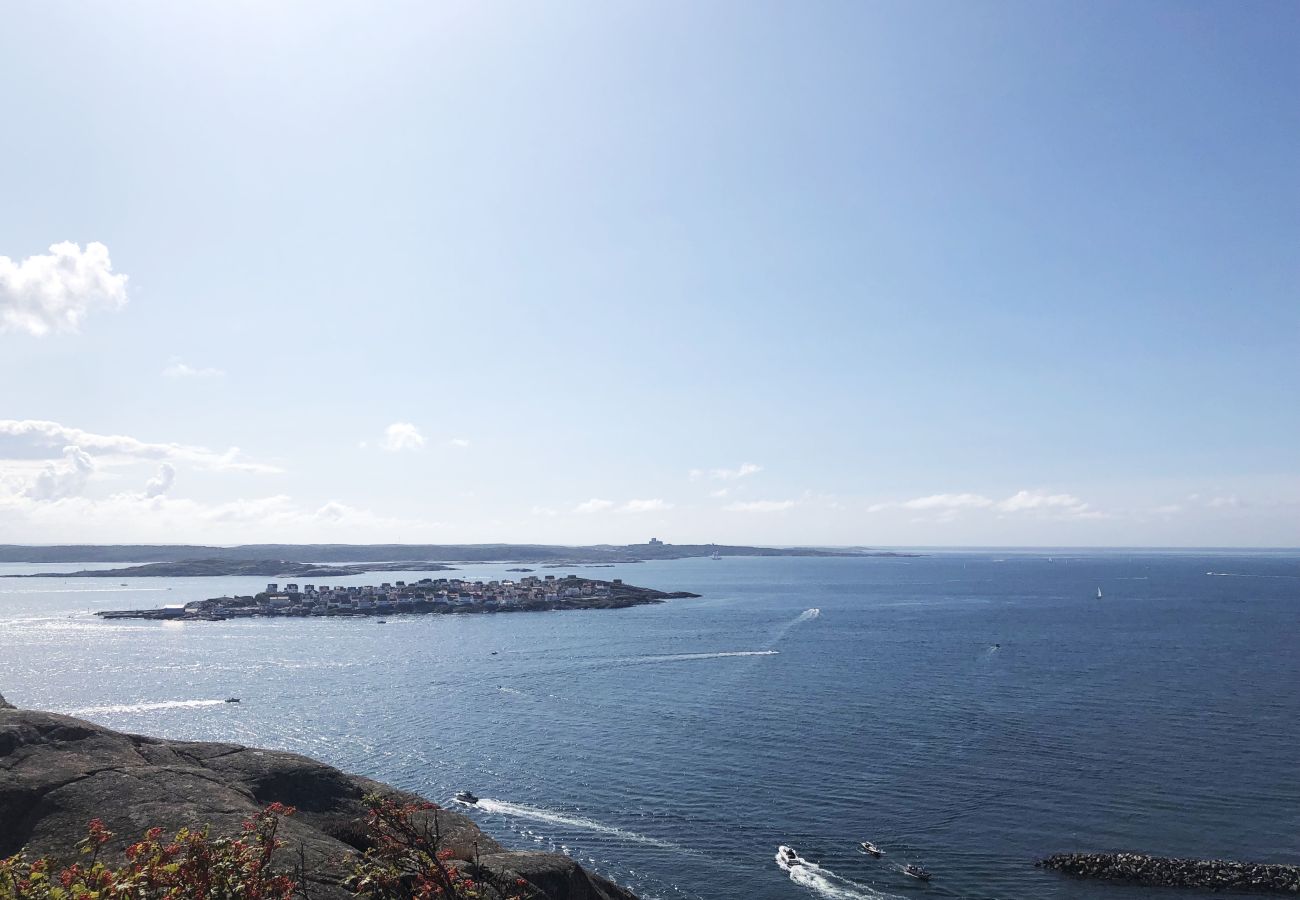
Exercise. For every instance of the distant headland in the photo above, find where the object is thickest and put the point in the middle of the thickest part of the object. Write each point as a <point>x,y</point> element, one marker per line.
<point>445,595</point>
<point>331,560</point>
<point>276,568</point>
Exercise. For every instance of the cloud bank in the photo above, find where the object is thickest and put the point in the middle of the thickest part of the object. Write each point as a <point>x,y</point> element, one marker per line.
<point>38,439</point>
<point>66,478</point>
<point>947,506</point>
<point>53,292</point>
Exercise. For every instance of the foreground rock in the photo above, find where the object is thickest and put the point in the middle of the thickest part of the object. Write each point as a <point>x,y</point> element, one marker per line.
<point>57,773</point>
<point>1211,874</point>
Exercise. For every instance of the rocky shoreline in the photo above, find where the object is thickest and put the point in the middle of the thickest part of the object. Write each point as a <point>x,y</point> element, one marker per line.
<point>58,772</point>
<point>1161,871</point>
<point>426,597</point>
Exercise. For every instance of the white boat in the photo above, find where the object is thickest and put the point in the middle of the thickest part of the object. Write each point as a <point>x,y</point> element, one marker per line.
<point>715,555</point>
<point>786,857</point>
<point>870,848</point>
<point>467,798</point>
<point>1098,593</point>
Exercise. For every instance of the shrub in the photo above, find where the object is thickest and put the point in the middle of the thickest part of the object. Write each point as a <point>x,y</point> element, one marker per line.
<point>406,862</point>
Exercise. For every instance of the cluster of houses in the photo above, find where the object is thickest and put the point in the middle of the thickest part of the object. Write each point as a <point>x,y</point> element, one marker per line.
<point>425,595</point>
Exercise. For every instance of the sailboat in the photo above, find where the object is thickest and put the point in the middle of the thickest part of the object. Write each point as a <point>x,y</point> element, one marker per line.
<point>1098,593</point>
<point>715,555</point>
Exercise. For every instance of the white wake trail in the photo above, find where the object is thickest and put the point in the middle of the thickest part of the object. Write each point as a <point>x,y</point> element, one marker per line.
<point>144,707</point>
<point>808,614</point>
<point>520,811</point>
<point>688,657</point>
<point>827,883</point>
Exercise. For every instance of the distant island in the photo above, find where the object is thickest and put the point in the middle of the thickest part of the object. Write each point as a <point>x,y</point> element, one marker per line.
<point>445,595</point>
<point>354,555</point>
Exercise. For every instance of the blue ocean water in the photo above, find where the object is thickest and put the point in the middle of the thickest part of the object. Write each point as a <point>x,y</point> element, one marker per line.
<point>967,711</point>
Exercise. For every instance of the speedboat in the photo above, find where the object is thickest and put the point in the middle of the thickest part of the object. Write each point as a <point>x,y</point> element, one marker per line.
<point>466,797</point>
<point>916,872</point>
<point>786,856</point>
<point>868,847</point>
<point>232,699</point>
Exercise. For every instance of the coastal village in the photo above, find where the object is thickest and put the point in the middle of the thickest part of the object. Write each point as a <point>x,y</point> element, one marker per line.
<point>428,595</point>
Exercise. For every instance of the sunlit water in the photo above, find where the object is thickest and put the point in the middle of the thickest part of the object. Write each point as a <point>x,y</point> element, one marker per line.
<point>969,712</point>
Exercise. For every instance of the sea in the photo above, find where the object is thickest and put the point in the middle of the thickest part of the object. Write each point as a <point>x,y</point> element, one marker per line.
<point>969,712</point>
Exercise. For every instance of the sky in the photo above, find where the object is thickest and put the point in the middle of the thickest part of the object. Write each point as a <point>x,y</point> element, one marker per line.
<point>839,273</point>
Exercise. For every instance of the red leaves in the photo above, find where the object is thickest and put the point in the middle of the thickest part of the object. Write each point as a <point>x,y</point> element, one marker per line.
<point>408,862</point>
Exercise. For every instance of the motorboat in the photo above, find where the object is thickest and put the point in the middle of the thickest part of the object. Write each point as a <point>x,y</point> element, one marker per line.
<point>916,872</point>
<point>466,797</point>
<point>786,856</point>
<point>382,622</point>
<point>232,699</point>
<point>870,848</point>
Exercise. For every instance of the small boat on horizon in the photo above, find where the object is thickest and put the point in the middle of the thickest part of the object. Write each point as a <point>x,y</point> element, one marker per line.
<point>232,699</point>
<point>715,555</point>
<point>870,848</point>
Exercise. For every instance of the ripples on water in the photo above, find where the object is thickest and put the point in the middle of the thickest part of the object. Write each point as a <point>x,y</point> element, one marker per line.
<point>968,712</point>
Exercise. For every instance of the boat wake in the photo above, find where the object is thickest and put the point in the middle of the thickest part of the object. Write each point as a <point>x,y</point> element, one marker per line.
<point>827,883</point>
<point>690,657</point>
<point>520,811</point>
<point>144,707</point>
<point>806,616</point>
<point>1248,575</point>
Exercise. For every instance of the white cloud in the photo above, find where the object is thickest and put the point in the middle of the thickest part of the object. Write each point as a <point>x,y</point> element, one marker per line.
<point>642,506</point>
<point>458,442</point>
<point>948,501</point>
<point>1041,501</point>
<point>138,518</point>
<point>546,511</point>
<point>162,482</point>
<point>178,369</point>
<point>55,291</point>
<point>36,439</point>
<point>402,436</point>
<point>65,478</point>
<point>720,492</point>
<point>761,506</point>
<point>1232,501</point>
<point>946,507</point>
<point>744,470</point>
<point>594,505</point>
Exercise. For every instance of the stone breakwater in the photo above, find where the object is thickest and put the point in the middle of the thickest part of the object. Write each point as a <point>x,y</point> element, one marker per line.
<point>1211,874</point>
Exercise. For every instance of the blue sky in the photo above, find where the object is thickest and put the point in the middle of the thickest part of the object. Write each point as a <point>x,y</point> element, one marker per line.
<point>850,273</point>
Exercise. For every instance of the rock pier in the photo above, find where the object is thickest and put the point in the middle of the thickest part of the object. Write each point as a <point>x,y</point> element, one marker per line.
<point>1206,874</point>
